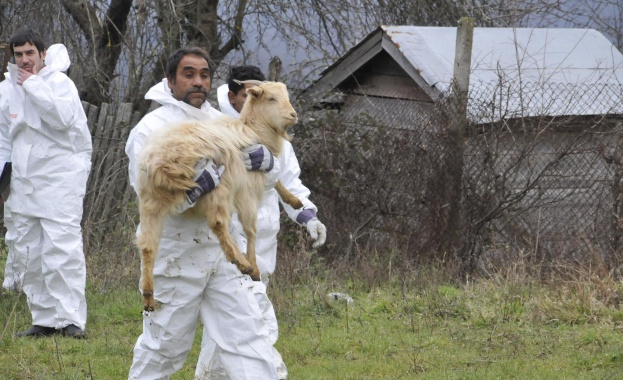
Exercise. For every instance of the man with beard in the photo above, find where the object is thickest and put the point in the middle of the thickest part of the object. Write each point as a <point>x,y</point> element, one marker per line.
<point>192,277</point>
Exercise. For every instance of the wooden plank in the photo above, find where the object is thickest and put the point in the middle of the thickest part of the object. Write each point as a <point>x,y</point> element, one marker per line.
<point>121,164</point>
<point>95,157</point>
<point>111,176</point>
<point>92,112</point>
<point>391,86</point>
<point>4,47</point>
<point>101,167</point>
<point>101,124</point>
<point>126,191</point>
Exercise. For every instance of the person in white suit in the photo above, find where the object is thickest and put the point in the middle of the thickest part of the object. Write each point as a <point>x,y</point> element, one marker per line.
<point>192,278</point>
<point>45,136</point>
<point>231,97</point>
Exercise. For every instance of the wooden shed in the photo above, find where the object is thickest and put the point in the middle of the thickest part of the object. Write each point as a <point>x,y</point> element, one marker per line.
<point>542,159</point>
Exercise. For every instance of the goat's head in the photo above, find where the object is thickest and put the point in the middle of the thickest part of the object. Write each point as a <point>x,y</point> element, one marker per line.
<point>269,103</point>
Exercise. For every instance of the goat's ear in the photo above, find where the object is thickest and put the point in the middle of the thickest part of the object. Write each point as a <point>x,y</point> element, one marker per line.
<point>255,92</point>
<point>249,81</point>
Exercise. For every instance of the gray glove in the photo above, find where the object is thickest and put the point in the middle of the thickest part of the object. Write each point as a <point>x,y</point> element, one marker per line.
<point>317,230</point>
<point>207,177</point>
<point>258,157</point>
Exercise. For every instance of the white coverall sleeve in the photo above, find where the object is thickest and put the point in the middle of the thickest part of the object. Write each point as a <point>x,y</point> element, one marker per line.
<point>5,138</point>
<point>54,100</point>
<point>290,172</point>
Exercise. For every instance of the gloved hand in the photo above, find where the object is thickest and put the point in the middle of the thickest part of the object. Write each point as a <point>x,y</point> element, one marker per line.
<point>207,177</point>
<point>258,157</point>
<point>316,229</point>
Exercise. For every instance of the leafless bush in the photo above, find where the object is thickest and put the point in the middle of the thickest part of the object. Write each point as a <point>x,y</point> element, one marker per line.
<point>375,181</point>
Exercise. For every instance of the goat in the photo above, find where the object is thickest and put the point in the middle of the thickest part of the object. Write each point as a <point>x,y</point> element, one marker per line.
<point>166,172</point>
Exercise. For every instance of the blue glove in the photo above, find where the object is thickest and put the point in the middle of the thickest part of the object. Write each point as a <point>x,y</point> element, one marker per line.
<point>258,157</point>
<point>207,177</point>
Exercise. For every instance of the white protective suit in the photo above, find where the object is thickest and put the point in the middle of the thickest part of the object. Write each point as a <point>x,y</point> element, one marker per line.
<point>45,135</point>
<point>193,280</point>
<point>12,281</point>
<point>267,230</point>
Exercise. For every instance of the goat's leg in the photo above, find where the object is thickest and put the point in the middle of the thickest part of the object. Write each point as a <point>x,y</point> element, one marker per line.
<point>218,220</point>
<point>287,196</point>
<point>148,241</point>
<point>248,219</point>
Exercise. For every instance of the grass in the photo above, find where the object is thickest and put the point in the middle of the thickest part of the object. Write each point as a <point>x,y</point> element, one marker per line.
<point>414,322</point>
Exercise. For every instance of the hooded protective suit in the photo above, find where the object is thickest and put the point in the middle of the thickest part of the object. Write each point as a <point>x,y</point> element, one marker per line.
<point>193,280</point>
<point>12,280</point>
<point>267,230</point>
<point>45,129</point>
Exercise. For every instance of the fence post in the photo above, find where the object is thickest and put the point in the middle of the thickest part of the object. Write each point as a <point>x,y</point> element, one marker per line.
<point>4,47</point>
<point>274,69</point>
<point>457,124</point>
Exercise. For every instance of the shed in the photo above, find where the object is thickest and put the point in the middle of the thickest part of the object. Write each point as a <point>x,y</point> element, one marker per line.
<point>542,160</point>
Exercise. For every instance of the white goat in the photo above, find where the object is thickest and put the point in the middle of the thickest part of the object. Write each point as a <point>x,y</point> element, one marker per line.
<point>166,172</point>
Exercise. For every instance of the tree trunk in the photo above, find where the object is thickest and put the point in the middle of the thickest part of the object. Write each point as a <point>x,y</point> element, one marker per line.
<point>105,38</point>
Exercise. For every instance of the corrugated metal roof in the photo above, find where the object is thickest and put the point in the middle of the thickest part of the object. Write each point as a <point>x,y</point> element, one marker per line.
<point>537,63</point>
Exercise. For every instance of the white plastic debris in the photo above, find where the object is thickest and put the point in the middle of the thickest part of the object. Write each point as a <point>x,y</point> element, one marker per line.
<point>338,300</point>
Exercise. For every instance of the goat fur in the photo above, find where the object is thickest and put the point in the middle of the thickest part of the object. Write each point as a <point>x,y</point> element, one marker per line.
<point>167,170</point>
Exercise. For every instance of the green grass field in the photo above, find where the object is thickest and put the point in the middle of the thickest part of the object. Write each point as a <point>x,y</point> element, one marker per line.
<point>402,325</point>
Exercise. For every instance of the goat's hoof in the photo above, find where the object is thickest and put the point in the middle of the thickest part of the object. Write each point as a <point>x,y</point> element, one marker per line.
<point>255,274</point>
<point>149,304</point>
<point>244,268</point>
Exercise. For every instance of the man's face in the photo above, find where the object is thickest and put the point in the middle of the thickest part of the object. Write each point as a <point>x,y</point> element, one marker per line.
<point>27,57</point>
<point>237,100</point>
<point>192,80</point>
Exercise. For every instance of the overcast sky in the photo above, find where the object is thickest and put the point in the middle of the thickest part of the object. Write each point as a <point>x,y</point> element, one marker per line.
<point>302,64</point>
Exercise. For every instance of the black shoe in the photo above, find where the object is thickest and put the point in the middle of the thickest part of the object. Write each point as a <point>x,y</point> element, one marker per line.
<point>38,331</point>
<point>73,331</point>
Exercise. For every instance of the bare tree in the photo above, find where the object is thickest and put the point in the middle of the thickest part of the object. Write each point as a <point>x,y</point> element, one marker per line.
<point>105,39</point>
<point>119,47</point>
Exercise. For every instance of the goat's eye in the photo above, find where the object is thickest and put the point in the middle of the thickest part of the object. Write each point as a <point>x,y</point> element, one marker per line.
<point>271,99</point>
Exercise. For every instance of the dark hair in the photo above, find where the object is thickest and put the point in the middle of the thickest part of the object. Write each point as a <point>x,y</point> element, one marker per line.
<point>176,57</point>
<point>246,72</point>
<point>24,36</point>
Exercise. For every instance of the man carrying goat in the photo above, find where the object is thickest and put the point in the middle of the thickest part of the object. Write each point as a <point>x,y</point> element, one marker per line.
<point>192,277</point>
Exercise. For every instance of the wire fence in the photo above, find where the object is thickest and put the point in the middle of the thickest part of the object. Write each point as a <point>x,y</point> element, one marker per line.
<point>549,184</point>
<point>541,173</point>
